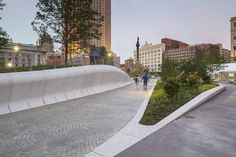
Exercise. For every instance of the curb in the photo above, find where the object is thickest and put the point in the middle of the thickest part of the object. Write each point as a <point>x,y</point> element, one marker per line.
<point>233,82</point>
<point>133,132</point>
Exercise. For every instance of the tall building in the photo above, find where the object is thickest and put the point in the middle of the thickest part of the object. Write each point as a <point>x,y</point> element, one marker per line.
<point>103,7</point>
<point>150,56</point>
<point>233,36</point>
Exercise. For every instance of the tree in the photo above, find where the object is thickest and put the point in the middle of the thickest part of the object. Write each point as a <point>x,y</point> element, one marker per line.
<point>137,70</point>
<point>171,87</point>
<point>68,22</point>
<point>169,69</point>
<point>104,55</point>
<point>197,69</point>
<point>4,38</point>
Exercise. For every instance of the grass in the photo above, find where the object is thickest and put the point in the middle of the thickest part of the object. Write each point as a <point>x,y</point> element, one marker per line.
<point>160,105</point>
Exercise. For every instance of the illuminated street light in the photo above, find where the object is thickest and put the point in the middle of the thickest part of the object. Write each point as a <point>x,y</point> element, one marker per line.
<point>16,48</point>
<point>109,54</point>
<point>109,58</point>
<point>9,65</point>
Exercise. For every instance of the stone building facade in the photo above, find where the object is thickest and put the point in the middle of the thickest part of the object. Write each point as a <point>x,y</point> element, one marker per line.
<point>150,56</point>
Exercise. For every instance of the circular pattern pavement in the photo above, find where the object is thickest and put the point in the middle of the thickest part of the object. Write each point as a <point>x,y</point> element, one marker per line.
<point>68,129</point>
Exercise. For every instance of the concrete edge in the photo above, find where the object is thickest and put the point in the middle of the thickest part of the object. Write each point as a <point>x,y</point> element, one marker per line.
<point>134,132</point>
<point>233,82</point>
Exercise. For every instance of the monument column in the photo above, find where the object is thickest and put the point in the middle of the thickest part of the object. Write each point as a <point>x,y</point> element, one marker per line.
<point>137,46</point>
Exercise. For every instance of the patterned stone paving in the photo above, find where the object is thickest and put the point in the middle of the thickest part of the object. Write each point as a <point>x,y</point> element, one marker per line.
<point>68,129</point>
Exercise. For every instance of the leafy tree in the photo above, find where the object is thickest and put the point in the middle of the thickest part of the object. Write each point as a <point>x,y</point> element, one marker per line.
<point>171,88</point>
<point>169,69</point>
<point>137,70</point>
<point>4,38</point>
<point>68,22</point>
<point>1,6</point>
<point>104,55</point>
<point>197,70</point>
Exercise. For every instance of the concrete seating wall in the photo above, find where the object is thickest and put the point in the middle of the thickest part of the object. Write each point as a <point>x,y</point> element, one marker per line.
<point>25,90</point>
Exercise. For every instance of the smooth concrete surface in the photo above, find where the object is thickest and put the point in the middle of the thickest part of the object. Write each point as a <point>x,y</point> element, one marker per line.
<point>26,90</point>
<point>134,132</point>
<point>69,129</point>
<point>207,131</point>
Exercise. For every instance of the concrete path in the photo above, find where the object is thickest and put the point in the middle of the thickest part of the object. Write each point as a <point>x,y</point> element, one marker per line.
<point>208,131</point>
<point>69,129</point>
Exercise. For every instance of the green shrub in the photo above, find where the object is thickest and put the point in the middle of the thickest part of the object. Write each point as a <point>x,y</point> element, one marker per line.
<point>171,87</point>
<point>205,87</point>
<point>161,104</point>
<point>159,85</point>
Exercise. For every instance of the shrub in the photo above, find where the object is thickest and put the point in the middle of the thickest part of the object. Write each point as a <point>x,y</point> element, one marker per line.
<point>205,87</point>
<point>171,87</point>
<point>159,85</point>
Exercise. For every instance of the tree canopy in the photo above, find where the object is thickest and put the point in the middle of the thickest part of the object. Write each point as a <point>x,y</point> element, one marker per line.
<point>4,38</point>
<point>68,22</point>
<point>195,70</point>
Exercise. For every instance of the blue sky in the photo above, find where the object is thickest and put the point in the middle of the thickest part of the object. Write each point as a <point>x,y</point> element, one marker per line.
<point>191,21</point>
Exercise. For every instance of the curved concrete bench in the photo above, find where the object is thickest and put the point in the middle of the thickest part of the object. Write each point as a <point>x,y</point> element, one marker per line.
<point>25,90</point>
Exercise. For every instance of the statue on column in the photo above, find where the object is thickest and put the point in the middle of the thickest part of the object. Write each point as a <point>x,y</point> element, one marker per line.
<point>137,46</point>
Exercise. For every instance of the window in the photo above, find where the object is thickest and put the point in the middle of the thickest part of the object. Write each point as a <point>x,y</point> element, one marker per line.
<point>235,48</point>
<point>235,38</point>
<point>234,24</point>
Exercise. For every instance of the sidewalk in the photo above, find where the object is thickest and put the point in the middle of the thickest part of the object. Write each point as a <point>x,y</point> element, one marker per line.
<point>73,128</point>
<point>208,131</point>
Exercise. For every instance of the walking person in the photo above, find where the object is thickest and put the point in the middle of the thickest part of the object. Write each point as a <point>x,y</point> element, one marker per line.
<point>145,79</point>
<point>136,81</point>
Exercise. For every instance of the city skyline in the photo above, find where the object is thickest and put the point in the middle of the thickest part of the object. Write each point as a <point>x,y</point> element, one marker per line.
<point>150,21</point>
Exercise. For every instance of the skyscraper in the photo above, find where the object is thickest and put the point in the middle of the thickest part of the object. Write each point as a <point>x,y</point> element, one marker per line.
<point>233,36</point>
<point>103,7</point>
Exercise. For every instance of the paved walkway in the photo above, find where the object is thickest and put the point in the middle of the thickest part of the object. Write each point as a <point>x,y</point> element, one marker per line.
<point>208,131</point>
<point>69,129</point>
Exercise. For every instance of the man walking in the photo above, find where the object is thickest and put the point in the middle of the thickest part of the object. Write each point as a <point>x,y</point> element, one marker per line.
<point>145,81</point>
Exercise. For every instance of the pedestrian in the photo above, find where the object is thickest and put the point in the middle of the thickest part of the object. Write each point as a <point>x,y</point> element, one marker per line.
<point>145,81</point>
<point>136,81</point>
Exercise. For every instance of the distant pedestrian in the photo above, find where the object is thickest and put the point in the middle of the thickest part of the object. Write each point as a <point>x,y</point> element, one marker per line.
<point>145,79</point>
<point>136,81</point>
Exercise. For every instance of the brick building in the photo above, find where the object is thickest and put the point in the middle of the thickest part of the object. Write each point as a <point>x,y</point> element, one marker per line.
<point>179,51</point>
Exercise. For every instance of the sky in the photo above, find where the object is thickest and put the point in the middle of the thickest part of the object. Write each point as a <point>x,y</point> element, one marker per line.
<point>190,21</point>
